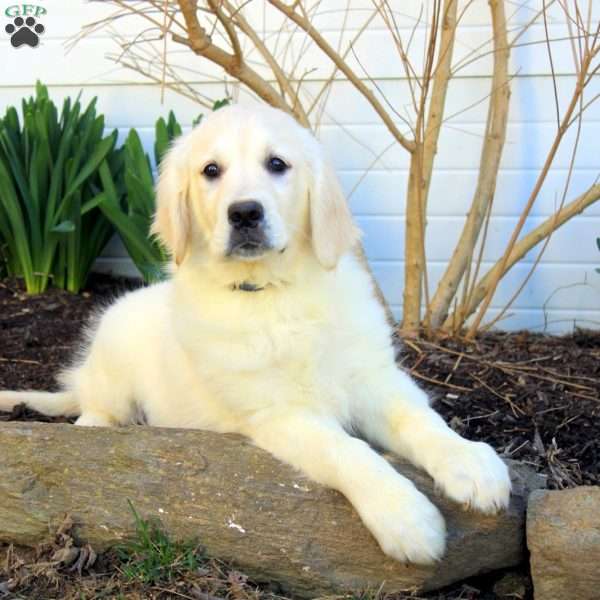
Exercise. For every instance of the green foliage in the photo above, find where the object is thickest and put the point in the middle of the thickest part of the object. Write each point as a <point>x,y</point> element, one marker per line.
<point>152,557</point>
<point>166,132</point>
<point>221,103</point>
<point>128,199</point>
<point>50,228</point>
<point>64,187</point>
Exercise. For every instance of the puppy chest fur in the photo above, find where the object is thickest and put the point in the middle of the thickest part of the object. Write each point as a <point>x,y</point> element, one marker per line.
<point>260,350</point>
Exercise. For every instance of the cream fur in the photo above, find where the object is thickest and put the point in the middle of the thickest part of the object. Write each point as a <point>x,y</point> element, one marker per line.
<point>297,366</point>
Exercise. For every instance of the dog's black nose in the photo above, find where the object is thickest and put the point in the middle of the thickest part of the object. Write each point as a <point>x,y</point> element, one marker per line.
<point>246,215</point>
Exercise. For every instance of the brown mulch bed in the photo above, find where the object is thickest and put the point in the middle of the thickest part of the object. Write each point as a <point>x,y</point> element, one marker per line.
<point>38,334</point>
<point>535,398</point>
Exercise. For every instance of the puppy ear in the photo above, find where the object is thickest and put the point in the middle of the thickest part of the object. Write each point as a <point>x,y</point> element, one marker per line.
<point>172,221</point>
<point>333,231</point>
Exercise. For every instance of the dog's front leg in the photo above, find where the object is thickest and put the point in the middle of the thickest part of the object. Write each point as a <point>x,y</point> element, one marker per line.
<point>394,412</point>
<point>405,523</point>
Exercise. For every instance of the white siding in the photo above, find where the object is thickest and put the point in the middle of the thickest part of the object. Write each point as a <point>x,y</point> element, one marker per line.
<point>564,291</point>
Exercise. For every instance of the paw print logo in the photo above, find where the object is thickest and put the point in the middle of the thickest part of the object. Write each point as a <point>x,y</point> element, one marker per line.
<point>24,31</point>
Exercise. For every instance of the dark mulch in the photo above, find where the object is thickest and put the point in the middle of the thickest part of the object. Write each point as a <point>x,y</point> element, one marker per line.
<point>39,333</point>
<point>535,398</point>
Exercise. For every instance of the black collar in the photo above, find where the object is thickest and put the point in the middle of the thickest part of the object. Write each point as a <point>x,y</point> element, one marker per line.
<point>246,286</point>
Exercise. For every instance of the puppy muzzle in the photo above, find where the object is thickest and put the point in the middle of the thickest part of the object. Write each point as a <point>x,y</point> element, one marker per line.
<point>248,238</point>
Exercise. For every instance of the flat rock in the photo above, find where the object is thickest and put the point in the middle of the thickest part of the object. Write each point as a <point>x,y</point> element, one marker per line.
<point>563,537</point>
<point>238,501</point>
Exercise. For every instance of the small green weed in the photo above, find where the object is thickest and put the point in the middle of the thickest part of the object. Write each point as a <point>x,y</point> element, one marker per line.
<point>152,557</point>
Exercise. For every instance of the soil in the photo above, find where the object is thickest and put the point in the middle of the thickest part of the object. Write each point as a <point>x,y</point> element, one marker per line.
<point>39,334</point>
<point>535,398</point>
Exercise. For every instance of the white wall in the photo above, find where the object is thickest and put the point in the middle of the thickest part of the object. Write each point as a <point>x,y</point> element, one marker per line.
<point>565,289</point>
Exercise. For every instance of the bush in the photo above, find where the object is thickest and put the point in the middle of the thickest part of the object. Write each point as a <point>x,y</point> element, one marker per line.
<point>64,189</point>
<point>51,230</point>
<point>128,199</point>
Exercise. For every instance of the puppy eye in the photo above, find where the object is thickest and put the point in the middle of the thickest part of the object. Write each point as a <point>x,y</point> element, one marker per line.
<point>276,165</point>
<point>211,171</point>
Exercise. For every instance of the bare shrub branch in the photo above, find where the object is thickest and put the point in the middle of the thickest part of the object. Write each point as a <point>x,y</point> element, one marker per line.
<point>336,59</point>
<point>523,246</point>
<point>493,281</point>
<point>489,164</point>
<point>271,65</point>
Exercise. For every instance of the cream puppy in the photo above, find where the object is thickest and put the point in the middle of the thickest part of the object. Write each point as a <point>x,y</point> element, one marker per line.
<point>269,326</point>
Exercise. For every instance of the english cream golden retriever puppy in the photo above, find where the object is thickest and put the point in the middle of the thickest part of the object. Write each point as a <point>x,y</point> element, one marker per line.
<point>269,327</point>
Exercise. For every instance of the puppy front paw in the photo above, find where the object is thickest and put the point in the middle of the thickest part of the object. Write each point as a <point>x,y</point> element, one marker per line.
<point>408,527</point>
<point>473,474</point>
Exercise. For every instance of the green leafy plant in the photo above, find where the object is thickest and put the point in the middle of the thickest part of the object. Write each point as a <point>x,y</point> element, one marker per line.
<point>128,199</point>
<point>50,228</point>
<point>152,557</point>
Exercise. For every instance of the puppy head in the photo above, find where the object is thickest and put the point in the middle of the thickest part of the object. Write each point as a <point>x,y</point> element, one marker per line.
<point>245,185</point>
